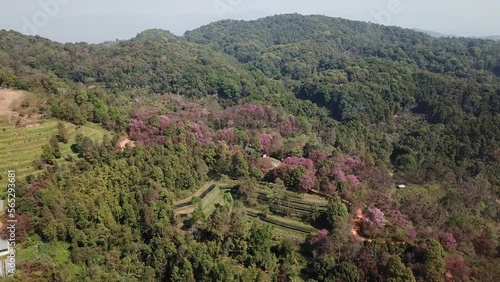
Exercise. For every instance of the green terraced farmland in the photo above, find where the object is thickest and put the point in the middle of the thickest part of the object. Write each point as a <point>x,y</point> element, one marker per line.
<point>20,147</point>
<point>208,202</point>
<point>281,222</point>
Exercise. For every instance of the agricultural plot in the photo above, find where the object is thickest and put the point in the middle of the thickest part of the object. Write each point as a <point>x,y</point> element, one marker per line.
<point>20,147</point>
<point>200,193</point>
<point>277,202</point>
<point>209,195</point>
<point>281,222</point>
<point>289,204</point>
<point>292,207</point>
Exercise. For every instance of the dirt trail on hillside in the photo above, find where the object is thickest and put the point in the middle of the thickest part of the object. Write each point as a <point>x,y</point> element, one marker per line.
<point>7,98</point>
<point>357,219</point>
<point>355,227</point>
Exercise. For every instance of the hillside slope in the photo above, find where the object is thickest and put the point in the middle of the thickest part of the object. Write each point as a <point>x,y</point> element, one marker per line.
<point>439,96</point>
<point>154,61</point>
<point>318,39</point>
<point>386,144</point>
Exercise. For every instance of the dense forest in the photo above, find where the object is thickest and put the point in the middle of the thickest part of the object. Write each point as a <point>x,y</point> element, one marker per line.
<point>343,112</point>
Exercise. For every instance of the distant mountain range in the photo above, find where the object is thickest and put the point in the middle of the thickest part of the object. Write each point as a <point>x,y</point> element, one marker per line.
<point>494,37</point>
<point>437,34</point>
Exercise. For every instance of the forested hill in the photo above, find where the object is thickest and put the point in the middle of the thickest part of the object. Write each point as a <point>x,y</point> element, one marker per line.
<point>155,61</point>
<point>301,45</point>
<point>362,74</point>
<point>372,74</point>
<point>267,150</point>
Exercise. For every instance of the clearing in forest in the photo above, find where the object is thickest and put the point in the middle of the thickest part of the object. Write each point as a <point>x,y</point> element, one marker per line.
<point>125,142</point>
<point>8,98</point>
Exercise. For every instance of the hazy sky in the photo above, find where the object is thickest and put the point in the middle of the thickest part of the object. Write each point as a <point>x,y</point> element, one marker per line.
<point>101,20</point>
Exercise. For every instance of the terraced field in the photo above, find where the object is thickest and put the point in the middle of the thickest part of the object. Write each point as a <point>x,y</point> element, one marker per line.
<point>200,193</point>
<point>19,147</point>
<point>282,222</point>
<point>211,193</point>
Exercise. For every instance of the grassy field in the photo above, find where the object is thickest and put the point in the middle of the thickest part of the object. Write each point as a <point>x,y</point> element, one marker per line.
<point>57,252</point>
<point>209,202</point>
<point>315,199</point>
<point>280,234</point>
<point>216,196</point>
<point>268,188</point>
<point>196,194</point>
<point>19,147</point>
<point>284,220</point>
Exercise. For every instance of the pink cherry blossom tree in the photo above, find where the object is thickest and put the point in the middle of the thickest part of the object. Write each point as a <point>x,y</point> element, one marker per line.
<point>376,216</point>
<point>266,142</point>
<point>322,242</point>
<point>448,241</point>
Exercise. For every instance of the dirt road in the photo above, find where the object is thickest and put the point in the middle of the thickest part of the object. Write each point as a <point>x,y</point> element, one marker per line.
<point>355,227</point>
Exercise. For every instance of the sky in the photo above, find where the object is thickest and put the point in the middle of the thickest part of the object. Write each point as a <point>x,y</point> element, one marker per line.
<point>104,20</point>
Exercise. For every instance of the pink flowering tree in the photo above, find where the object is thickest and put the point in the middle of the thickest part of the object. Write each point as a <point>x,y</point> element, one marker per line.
<point>289,127</point>
<point>227,135</point>
<point>354,164</point>
<point>145,127</point>
<point>457,267</point>
<point>322,243</point>
<point>295,161</point>
<point>202,134</point>
<point>254,116</point>
<point>164,122</point>
<point>353,181</point>
<point>340,174</point>
<point>307,180</point>
<point>319,158</point>
<point>251,115</point>
<point>136,128</point>
<point>330,188</point>
<point>291,175</point>
<point>448,241</point>
<point>397,218</point>
<point>347,170</point>
<point>376,216</point>
<point>266,142</point>
<point>373,224</point>
<point>350,165</point>
<point>401,225</point>
<point>410,233</point>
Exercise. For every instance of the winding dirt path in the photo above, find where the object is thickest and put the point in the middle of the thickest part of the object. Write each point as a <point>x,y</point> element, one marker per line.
<point>355,227</point>
<point>357,219</point>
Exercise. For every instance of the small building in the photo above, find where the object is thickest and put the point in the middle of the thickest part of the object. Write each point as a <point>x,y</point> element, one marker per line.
<point>4,246</point>
<point>401,186</point>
